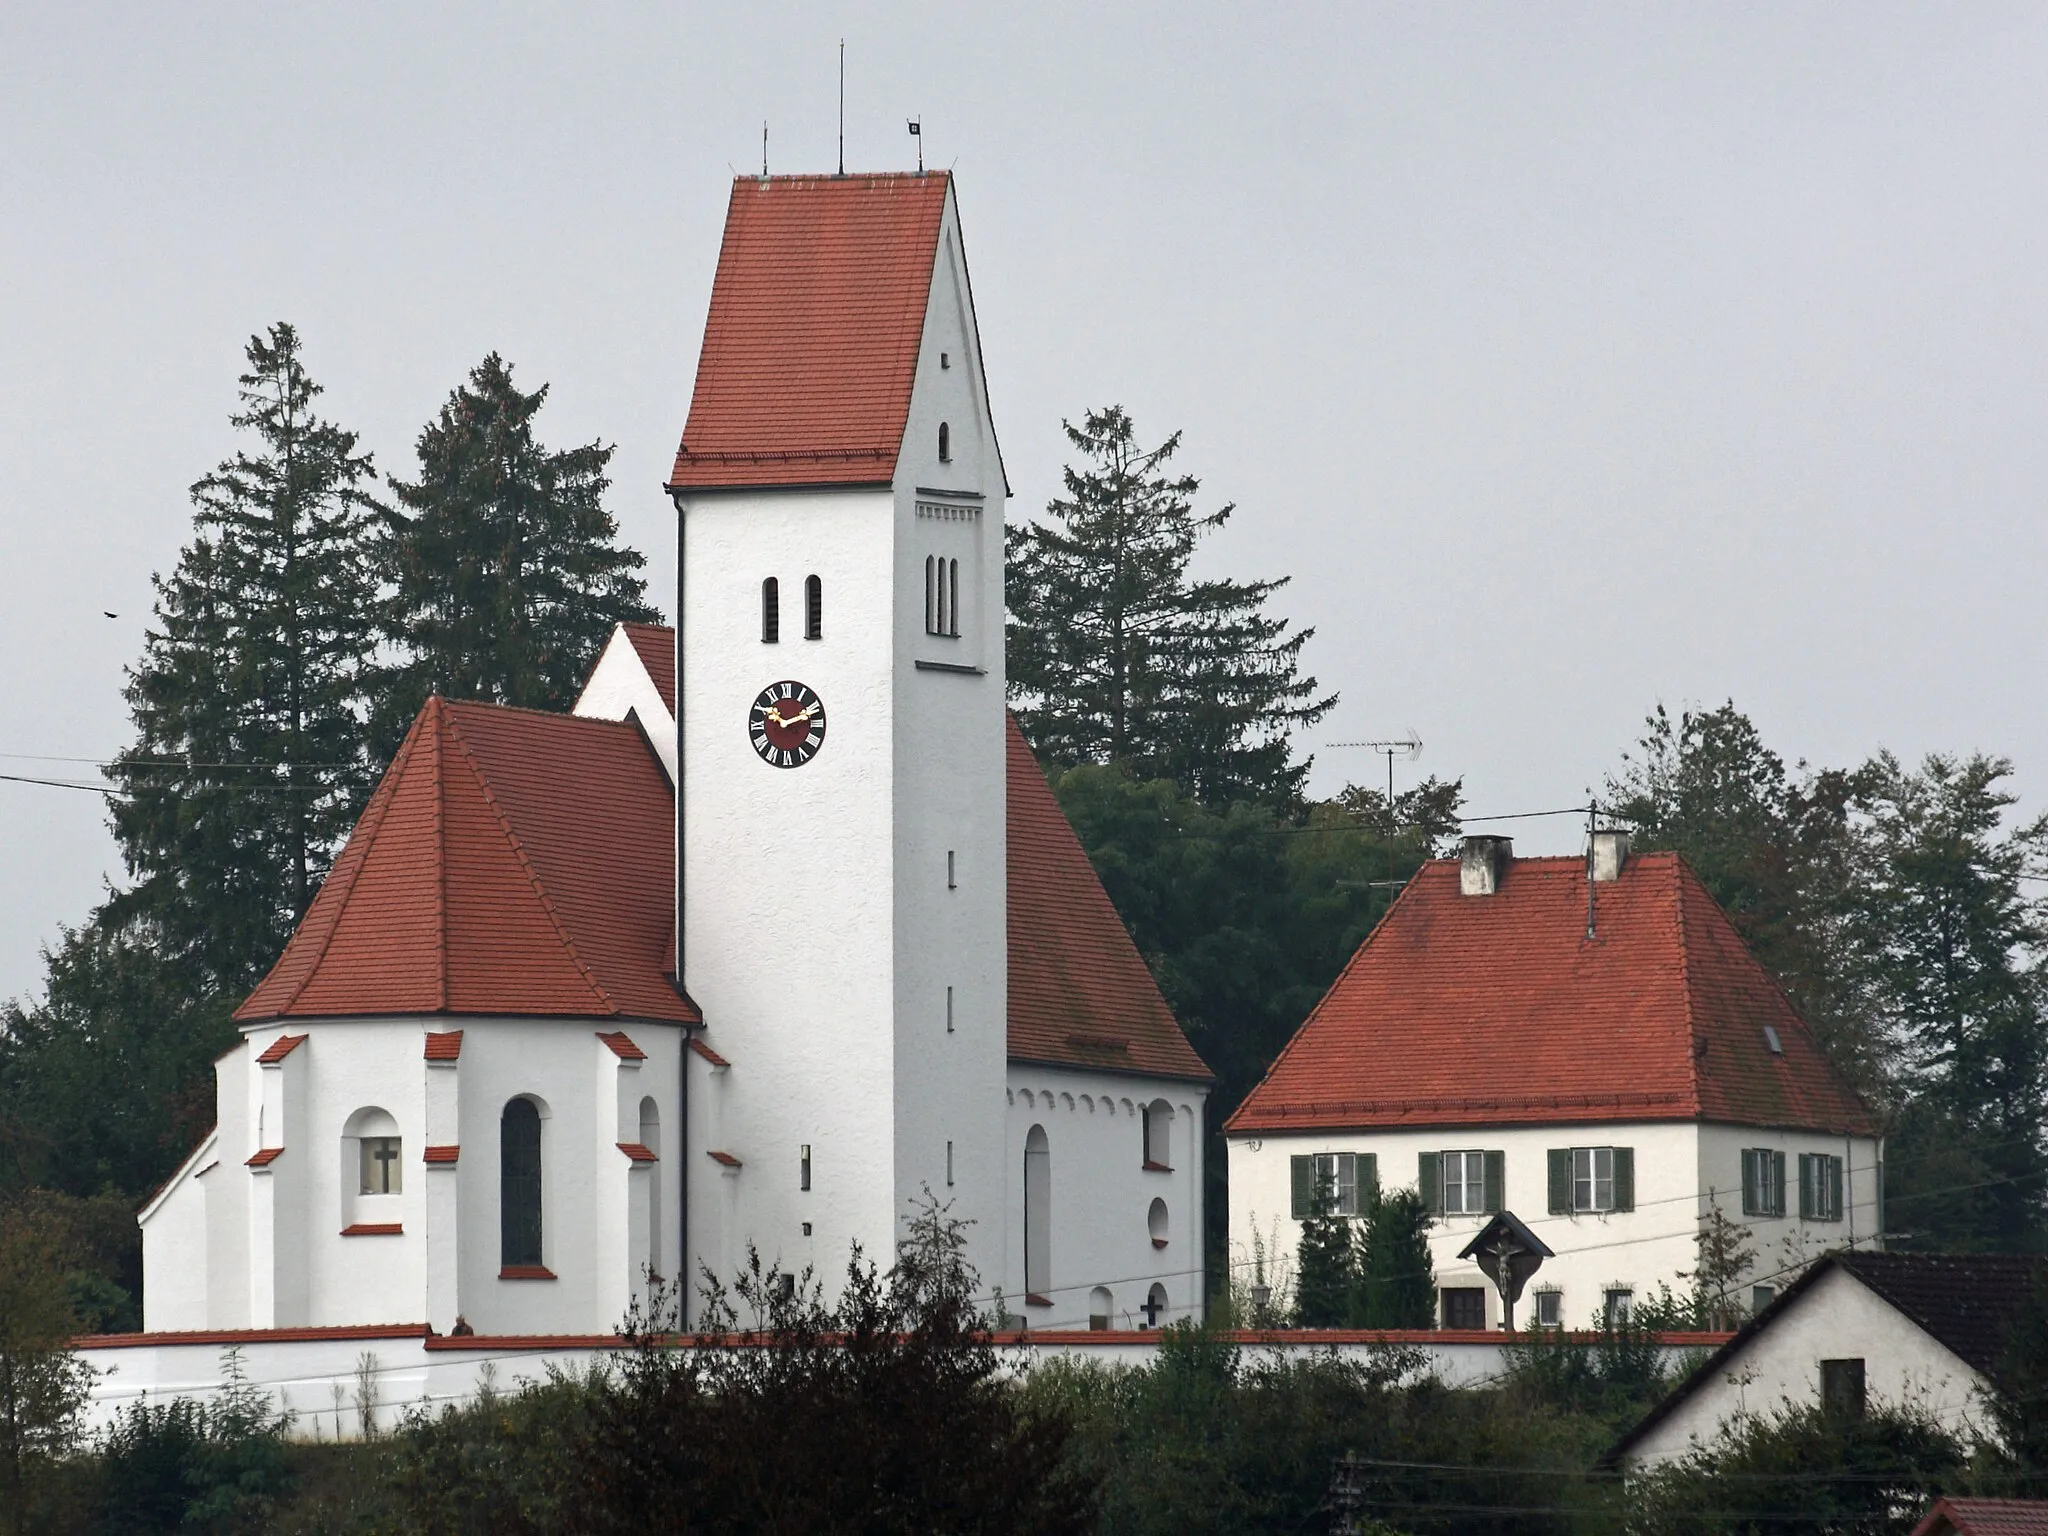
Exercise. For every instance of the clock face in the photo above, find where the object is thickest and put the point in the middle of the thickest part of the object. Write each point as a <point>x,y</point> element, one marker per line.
<point>786,725</point>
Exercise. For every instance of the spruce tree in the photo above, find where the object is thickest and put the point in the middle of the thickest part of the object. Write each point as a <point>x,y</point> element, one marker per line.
<point>249,761</point>
<point>1323,1263</point>
<point>1118,654</point>
<point>1394,1280</point>
<point>506,564</point>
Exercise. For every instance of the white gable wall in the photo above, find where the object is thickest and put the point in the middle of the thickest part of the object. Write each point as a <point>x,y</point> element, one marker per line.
<point>619,686</point>
<point>1837,1318</point>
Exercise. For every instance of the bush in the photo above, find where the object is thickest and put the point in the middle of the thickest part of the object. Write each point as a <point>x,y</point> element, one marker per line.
<point>218,1465</point>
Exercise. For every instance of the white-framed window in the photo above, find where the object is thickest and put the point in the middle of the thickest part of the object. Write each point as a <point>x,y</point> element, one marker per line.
<point>1550,1309</point>
<point>1464,1183</point>
<point>1617,1306</point>
<point>1763,1182</point>
<point>1349,1178</point>
<point>1820,1187</point>
<point>1593,1179</point>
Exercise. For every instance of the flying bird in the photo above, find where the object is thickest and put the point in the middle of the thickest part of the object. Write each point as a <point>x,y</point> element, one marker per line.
<point>110,615</point>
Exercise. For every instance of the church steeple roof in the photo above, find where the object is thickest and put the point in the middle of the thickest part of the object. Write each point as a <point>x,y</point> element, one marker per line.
<point>511,863</point>
<point>811,343</point>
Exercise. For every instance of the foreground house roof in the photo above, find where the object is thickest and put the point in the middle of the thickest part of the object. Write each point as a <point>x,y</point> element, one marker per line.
<point>811,343</point>
<point>1985,1517</point>
<point>1965,1302</point>
<point>1080,993</point>
<point>1498,1010</point>
<point>510,863</point>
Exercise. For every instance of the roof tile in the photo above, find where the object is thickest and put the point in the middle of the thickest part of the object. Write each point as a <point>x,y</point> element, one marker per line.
<point>810,346</point>
<point>1476,1010</point>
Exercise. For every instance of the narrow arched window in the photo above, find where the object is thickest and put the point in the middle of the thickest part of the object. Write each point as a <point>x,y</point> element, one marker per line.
<point>953,598</point>
<point>1100,1303</point>
<point>814,608</point>
<point>771,611</point>
<point>931,594</point>
<point>1037,1215</point>
<point>945,443</point>
<point>519,1232</point>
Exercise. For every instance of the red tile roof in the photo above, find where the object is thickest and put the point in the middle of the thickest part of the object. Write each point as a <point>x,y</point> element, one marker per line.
<point>374,1229</point>
<point>622,1046</point>
<point>723,1159</point>
<point>655,645</point>
<point>265,1157</point>
<point>1985,1517</point>
<point>1496,1010</point>
<point>810,346</point>
<point>511,862</point>
<point>638,1152</point>
<point>444,1045</point>
<point>448,1154</point>
<point>707,1053</point>
<point>1080,995</point>
<point>280,1048</point>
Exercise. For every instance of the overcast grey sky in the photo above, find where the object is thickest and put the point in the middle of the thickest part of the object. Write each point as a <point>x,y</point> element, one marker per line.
<point>1568,357</point>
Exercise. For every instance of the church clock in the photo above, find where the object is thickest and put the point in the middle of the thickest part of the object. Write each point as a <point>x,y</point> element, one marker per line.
<point>786,725</point>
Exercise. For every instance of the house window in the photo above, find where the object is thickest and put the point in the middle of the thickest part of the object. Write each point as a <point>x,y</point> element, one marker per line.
<point>1157,1120</point>
<point>1461,1183</point>
<point>1618,1306</point>
<point>1037,1215</point>
<point>1763,1182</point>
<point>1550,1309</point>
<point>771,611</point>
<point>1820,1187</point>
<point>1464,1306</point>
<point>945,443</point>
<point>519,1192</point>
<point>1347,1178</point>
<point>1464,1183</point>
<point>814,608</point>
<point>1841,1388</point>
<point>1761,1296</point>
<point>1592,1179</point>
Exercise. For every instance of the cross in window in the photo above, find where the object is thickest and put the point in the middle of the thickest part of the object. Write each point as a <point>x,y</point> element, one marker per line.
<point>385,1153</point>
<point>1152,1308</point>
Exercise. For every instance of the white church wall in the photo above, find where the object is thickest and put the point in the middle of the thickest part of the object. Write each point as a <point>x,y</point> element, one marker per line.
<point>952,885</point>
<point>1102,1235</point>
<point>174,1244</point>
<point>789,873</point>
<point>1635,1250</point>
<point>227,1198</point>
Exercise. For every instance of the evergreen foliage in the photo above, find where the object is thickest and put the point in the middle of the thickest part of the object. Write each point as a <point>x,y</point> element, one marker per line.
<point>506,565</point>
<point>250,758</point>
<point>1323,1263</point>
<point>43,1386</point>
<point>1393,1281</point>
<point>1118,654</point>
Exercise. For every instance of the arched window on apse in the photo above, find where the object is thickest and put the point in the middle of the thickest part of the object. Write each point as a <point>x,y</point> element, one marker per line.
<point>1037,1217</point>
<point>945,443</point>
<point>814,608</point>
<point>953,598</point>
<point>771,611</point>
<point>1099,1308</point>
<point>1158,1118</point>
<point>519,1187</point>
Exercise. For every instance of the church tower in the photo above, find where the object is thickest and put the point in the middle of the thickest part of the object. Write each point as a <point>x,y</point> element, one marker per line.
<point>840,733</point>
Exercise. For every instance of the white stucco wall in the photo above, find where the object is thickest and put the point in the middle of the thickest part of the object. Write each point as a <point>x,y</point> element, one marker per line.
<point>1102,1194</point>
<point>1838,1318</point>
<point>1785,1245</point>
<point>618,686</point>
<point>271,1243</point>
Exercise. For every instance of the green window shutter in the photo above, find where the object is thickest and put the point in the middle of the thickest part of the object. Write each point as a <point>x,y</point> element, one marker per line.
<point>1368,1179</point>
<point>1834,1189</point>
<point>1560,1159</point>
<point>1752,1183</point>
<point>1301,1173</point>
<point>1806,1201</point>
<point>1429,1182</point>
<point>1624,1178</point>
<point>1496,1178</point>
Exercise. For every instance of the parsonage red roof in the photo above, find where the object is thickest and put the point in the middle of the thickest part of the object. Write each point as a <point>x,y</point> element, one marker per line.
<point>1498,1010</point>
<point>810,346</point>
<point>1080,994</point>
<point>511,862</point>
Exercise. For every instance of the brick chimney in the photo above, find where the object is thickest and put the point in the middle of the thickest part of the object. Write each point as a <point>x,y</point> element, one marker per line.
<point>1610,852</point>
<point>1482,862</point>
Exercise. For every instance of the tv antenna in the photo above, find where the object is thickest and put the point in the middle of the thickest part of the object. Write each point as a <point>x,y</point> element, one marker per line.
<point>917,133</point>
<point>764,148</point>
<point>842,106</point>
<point>1408,748</point>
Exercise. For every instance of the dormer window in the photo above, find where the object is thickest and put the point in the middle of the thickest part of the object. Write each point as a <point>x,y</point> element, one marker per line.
<point>771,611</point>
<point>945,443</point>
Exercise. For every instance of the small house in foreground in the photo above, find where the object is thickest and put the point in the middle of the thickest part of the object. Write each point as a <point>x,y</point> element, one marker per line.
<point>1855,1331</point>
<point>1985,1517</point>
<point>1584,1042</point>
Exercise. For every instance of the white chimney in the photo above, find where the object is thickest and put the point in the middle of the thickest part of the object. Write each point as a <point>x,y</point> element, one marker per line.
<point>1482,862</point>
<point>1610,852</point>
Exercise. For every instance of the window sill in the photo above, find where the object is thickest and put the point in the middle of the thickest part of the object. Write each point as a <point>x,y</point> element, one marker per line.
<point>1158,1242</point>
<point>1152,1167</point>
<point>374,1229</point>
<point>526,1272</point>
<point>1033,1299</point>
<point>950,666</point>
